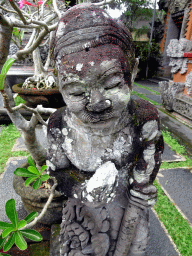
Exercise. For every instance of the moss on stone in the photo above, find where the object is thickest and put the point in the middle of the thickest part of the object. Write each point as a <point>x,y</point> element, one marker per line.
<point>40,249</point>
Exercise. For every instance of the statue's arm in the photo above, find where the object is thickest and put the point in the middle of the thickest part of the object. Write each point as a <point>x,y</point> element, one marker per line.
<point>142,191</point>
<point>56,157</point>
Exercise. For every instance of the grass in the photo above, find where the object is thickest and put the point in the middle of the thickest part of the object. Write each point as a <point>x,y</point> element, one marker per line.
<point>177,227</point>
<point>147,88</point>
<point>142,96</point>
<point>173,143</point>
<point>8,136</point>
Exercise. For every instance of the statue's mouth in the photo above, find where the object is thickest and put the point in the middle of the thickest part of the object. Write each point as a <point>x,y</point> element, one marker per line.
<point>103,116</point>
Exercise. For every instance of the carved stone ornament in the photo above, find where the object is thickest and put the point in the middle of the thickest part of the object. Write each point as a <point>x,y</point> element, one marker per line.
<point>178,5</point>
<point>175,51</point>
<point>183,105</point>
<point>168,91</point>
<point>104,148</point>
<point>188,83</point>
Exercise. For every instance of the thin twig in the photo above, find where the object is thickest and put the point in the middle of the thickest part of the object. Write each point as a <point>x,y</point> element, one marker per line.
<point>7,10</point>
<point>14,109</point>
<point>103,2</point>
<point>56,8</point>
<point>37,42</point>
<point>33,35</point>
<point>34,111</point>
<point>52,193</point>
<point>40,23</point>
<point>16,8</point>
<point>42,8</point>
<point>19,24</point>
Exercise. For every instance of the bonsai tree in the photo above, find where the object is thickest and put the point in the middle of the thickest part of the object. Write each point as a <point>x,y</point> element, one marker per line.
<point>39,20</point>
<point>40,17</point>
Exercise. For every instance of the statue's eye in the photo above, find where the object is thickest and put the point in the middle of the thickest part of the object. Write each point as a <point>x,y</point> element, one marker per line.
<point>113,86</point>
<point>76,94</point>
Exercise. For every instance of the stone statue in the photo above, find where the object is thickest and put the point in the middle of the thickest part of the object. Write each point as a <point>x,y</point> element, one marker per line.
<point>104,148</point>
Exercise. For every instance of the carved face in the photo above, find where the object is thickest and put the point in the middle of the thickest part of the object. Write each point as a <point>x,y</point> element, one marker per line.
<point>93,85</point>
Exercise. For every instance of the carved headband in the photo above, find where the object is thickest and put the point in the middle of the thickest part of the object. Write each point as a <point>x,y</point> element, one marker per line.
<point>86,26</point>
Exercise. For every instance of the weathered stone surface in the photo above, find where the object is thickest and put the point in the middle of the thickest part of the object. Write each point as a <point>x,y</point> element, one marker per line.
<point>104,148</point>
<point>188,83</point>
<point>54,241</point>
<point>168,91</point>
<point>183,105</point>
<point>175,51</point>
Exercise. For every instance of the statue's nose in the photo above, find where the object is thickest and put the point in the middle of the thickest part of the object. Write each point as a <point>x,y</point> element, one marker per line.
<point>97,102</point>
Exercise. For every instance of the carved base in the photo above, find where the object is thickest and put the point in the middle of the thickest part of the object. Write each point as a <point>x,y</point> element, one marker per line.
<point>108,230</point>
<point>183,105</point>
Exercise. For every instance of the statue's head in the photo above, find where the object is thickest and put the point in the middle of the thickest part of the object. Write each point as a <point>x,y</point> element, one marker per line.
<point>95,63</point>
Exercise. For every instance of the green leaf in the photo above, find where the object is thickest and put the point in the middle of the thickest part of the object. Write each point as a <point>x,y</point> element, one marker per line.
<point>22,224</point>
<point>44,177</point>
<point>2,241</point>
<point>9,243</point>
<point>20,241</point>
<point>7,231</point>
<point>7,66</point>
<point>30,161</point>
<point>2,79</point>
<point>32,234</point>
<point>31,216</point>
<point>4,71</point>
<point>30,180</point>
<point>37,184</point>
<point>4,225</point>
<point>43,168</point>
<point>11,212</point>
<point>33,170</point>
<point>23,172</point>
<point>5,254</point>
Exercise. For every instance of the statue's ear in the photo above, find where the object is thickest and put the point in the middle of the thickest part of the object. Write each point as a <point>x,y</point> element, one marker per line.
<point>135,71</point>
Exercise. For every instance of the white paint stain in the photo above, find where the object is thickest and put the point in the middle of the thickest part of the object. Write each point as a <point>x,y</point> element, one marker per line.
<point>68,142</point>
<point>104,176</point>
<point>79,66</point>
<point>51,165</point>
<point>60,29</point>
<point>106,15</point>
<point>94,13</point>
<point>64,131</point>
<point>92,63</point>
<point>54,147</point>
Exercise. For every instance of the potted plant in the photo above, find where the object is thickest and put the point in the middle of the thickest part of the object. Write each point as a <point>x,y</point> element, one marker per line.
<point>39,19</point>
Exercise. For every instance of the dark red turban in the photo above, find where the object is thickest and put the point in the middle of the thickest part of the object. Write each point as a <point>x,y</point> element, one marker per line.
<point>87,26</point>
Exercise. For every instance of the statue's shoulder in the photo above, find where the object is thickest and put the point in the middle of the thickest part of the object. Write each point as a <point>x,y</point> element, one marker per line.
<point>143,112</point>
<point>56,119</point>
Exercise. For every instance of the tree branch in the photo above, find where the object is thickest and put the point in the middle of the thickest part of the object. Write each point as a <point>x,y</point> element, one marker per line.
<point>39,217</point>
<point>14,109</point>
<point>103,2</point>
<point>37,42</point>
<point>40,23</point>
<point>5,21</point>
<point>16,8</point>
<point>7,10</point>
<point>56,9</point>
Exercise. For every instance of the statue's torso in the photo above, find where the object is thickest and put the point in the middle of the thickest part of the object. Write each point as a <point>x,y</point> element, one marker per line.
<point>88,151</point>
